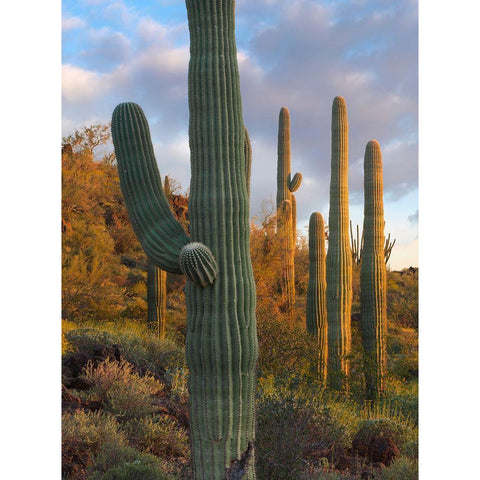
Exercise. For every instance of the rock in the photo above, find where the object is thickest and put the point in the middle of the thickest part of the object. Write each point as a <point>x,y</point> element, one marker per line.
<point>376,449</point>
<point>76,383</point>
<point>383,450</point>
<point>102,352</point>
<point>75,363</point>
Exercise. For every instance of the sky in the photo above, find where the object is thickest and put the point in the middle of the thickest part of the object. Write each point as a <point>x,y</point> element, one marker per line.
<point>297,53</point>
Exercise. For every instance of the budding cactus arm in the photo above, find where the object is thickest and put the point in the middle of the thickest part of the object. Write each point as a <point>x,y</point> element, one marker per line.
<point>295,182</point>
<point>161,235</point>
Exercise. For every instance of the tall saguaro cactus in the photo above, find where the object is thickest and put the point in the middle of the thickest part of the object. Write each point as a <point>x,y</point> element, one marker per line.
<point>286,213</point>
<point>373,275</point>
<point>156,298</point>
<point>339,256</point>
<point>316,292</point>
<point>221,343</point>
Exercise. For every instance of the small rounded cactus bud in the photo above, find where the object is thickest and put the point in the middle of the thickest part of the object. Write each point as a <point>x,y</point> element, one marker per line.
<point>198,264</point>
<point>295,182</point>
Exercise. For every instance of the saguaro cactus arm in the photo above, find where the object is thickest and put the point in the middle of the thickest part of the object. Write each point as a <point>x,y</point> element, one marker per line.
<point>387,250</point>
<point>161,235</point>
<point>295,182</point>
<point>357,246</point>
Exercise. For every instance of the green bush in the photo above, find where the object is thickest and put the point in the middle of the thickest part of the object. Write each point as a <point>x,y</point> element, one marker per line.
<point>284,349</point>
<point>281,437</point>
<point>123,392</point>
<point>293,429</point>
<point>401,399</point>
<point>402,468</point>
<point>119,462</point>
<point>160,435</point>
<point>328,433</point>
<point>83,436</point>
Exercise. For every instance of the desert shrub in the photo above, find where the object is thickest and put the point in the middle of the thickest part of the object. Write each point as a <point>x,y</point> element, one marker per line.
<point>67,325</point>
<point>401,399</point>
<point>284,350</point>
<point>138,345</point>
<point>328,434</point>
<point>402,468</point>
<point>121,390</point>
<point>121,462</point>
<point>402,298</point>
<point>330,476</point>
<point>159,435</point>
<point>281,437</point>
<point>83,435</point>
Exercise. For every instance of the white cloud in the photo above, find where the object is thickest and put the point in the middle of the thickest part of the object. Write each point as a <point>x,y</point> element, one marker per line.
<point>72,23</point>
<point>79,85</point>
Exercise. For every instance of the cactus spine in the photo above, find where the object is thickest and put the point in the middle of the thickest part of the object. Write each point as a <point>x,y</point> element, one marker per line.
<point>286,213</point>
<point>339,256</point>
<point>156,298</point>
<point>221,344</point>
<point>373,275</point>
<point>316,291</point>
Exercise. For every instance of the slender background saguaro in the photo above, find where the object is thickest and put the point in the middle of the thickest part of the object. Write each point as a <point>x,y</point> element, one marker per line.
<point>339,256</point>
<point>373,275</point>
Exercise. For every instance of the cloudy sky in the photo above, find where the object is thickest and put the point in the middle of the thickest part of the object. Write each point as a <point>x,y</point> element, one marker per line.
<point>297,53</point>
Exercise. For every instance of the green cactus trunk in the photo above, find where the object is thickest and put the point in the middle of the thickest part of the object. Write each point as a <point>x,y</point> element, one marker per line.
<point>286,214</point>
<point>156,299</point>
<point>221,341</point>
<point>339,256</point>
<point>316,292</point>
<point>373,276</point>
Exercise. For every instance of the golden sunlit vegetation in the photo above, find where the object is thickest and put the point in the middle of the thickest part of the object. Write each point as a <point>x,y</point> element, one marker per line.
<point>124,391</point>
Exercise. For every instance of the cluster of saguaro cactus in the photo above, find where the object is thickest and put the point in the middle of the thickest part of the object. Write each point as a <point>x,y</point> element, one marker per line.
<point>156,299</point>
<point>373,275</point>
<point>339,256</point>
<point>371,251</point>
<point>286,210</point>
<point>316,317</point>
<point>221,344</point>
